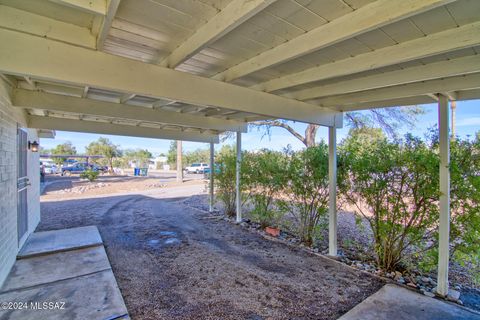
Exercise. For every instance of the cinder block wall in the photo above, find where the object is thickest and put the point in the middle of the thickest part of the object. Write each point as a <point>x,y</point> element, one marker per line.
<point>9,118</point>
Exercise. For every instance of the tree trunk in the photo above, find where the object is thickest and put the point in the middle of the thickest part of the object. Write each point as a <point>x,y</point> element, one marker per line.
<point>310,135</point>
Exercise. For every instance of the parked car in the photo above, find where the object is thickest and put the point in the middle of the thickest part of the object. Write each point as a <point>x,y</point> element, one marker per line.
<point>207,171</point>
<point>80,167</point>
<point>196,168</point>
<point>50,168</point>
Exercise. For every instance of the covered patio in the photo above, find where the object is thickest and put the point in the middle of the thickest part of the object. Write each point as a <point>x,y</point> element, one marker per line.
<point>193,70</point>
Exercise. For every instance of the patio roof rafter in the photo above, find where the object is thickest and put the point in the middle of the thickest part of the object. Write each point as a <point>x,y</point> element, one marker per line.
<point>437,43</point>
<point>75,125</point>
<point>348,26</point>
<point>55,61</point>
<point>462,82</point>
<point>62,103</point>
<point>430,71</point>
<point>96,7</point>
<point>233,15</point>
<point>23,21</point>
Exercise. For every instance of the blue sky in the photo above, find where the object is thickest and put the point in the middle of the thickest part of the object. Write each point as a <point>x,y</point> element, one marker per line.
<point>468,122</point>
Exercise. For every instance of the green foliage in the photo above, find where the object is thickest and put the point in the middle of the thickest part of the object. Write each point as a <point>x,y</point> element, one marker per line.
<point>225,180</point>
<point>89,174</point>
<point>465,202</point>
<point>196,156</point>
<point>66,148</point>
<point>265,179</point>
<point>140,156</point>
<point>394,185</point>
<point>307,190</point>
<point>172,154</point>
<point>105,147</point>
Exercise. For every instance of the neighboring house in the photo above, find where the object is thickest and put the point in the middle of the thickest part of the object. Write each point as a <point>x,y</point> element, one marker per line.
<point>19,180</point>
<point>158,163</point>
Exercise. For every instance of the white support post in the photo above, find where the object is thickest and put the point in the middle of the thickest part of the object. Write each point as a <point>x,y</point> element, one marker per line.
<point>238,191</point>
<point>332,201</point>
<point>179,162</point>
<point>212,174</point>
<point>444,230</point>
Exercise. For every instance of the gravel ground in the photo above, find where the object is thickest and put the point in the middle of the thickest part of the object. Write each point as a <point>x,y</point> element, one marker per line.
<point>71,187</point>
<point>356,249</point>
<point>175,262</point>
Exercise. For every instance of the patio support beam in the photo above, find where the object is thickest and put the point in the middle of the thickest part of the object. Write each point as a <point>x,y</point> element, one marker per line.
<point>179,161</point>
<point>233,15</point>
<point>437,43</point>
<point>238,192</point>
<point>61,103</point>
<point>23,21</point>
<point>457,83</point>
<point>76,125</point>
<point>444,228</point>
<point>367,18</point>
<point>212,174</point>
<point>49,60</point>
<point>96,7</point>
<point>112,6</point>
<point>332,200</point>
<point>442,69</point>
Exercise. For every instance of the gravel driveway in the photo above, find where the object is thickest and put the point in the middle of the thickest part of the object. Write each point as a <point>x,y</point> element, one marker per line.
<point>173,262</point>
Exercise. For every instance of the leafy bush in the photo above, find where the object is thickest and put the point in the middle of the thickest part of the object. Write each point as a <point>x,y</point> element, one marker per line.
<point>265,179</point>
<point>307,190</point>
<point>465,206</point>
<point>225,178</point>
<point>395,186</point>
<point>89,174</point>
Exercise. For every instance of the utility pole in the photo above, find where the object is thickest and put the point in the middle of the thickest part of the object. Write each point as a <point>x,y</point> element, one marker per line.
<point>179,162</point>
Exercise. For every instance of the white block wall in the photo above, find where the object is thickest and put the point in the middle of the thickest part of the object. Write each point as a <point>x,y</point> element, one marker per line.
<point>9,244</point>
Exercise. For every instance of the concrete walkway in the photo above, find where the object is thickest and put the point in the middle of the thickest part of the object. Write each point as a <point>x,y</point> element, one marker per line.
<point>63,274</point>
<point>393,302</point>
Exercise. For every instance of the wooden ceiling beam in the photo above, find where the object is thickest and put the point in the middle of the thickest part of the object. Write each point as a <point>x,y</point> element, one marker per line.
<point>367,18</point>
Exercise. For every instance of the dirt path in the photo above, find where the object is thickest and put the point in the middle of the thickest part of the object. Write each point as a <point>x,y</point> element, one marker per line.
<point>172,262</point>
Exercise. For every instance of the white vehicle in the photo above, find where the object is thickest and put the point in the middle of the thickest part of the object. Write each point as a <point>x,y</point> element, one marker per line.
<point>196,168</point>
<point>50,168</point>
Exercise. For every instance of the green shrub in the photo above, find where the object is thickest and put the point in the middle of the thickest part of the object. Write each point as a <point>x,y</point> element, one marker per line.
<point>265,180</point>
<point>225,178</point>
<point>465,207</point>
<point>395,186</point>
<point>307,190</point>
<point>89,174</point>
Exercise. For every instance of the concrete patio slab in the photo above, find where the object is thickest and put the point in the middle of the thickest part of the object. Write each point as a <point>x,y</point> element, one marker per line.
<point>45,242</point>
<point>48,268</point>
<point>393,302</point>
<point>94,296</point>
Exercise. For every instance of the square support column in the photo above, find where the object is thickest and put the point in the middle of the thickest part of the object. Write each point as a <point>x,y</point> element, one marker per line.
<point>444,229</point>
<point>238,167</point>
<point>212,174</point>
<point>332,201</point>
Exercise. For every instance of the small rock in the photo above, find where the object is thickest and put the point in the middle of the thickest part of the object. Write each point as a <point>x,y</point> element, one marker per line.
<point>412,285</point>
<point>401,280</point>
<point>460,302</point>
<point>429,294</point>
<point>458,287</point>
<point>425,280</point>
<point>453,295</point>
<point>398,275</point>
